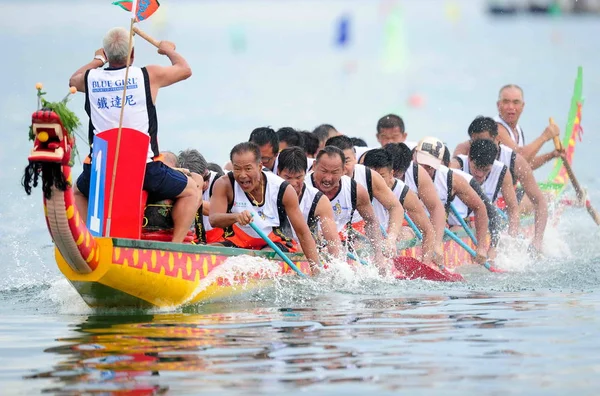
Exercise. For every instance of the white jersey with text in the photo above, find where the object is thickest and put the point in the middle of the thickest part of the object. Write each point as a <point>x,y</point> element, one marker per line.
<point>104,100</point>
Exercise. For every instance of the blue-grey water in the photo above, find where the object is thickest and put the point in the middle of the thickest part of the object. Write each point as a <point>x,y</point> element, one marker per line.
<point>531,331</point>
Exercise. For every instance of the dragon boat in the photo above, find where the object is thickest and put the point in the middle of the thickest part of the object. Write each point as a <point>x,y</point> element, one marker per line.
<point>124,267</point>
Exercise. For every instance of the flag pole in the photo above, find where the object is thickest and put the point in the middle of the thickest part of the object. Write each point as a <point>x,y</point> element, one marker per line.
<point>114,172</point>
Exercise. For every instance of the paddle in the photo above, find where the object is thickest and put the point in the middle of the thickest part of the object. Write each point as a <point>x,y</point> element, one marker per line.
<point>470,234</point>
<point>578,190</point>
<point>413,226</point>
<point>415,269</point>
<point>269,242</point>
<point>146,37</point>
<point>456,239</point>
<point>352,256</point>
<point>463,223</point>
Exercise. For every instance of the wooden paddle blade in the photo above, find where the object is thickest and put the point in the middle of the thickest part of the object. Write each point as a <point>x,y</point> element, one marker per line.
<point>414,269</point>
<point>593,212</point>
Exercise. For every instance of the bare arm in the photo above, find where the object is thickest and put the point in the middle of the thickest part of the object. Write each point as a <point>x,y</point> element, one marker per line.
<point>414,209</point>
<point>512,205</point>
<point>222,195</point>
<point>462,149</point>
<point>163,76</point>
<point>454,164</point>
<point>206,208</point>
<point>530,150</point>
<point>540,160</point>
<point>77,80</point>
<point>524,174</point>
<point>390,202</point>
<point>324,212</point>
<point>469,196</point>
<point>292,209</point>
<point>429,196</point>
<point>364,207</point>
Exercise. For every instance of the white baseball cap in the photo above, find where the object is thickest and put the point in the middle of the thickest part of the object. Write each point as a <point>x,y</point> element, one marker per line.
<point>430,151</point>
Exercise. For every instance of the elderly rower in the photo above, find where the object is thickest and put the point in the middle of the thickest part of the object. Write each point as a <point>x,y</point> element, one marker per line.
<point>104,108</point>
<point>249,194</point>
<point>510,107</point>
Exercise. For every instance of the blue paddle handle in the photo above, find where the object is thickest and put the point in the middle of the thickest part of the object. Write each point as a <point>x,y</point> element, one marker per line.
<point>383,231</point>
<point>502,214</point>
<point>352,256</point>
<point>463,224</point>
<point>276,249</point>
<point>413,226</point>
<point>456,239</point>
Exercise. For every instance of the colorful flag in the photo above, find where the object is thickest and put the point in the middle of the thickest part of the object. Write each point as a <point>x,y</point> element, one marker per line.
<point>140,9</point>
<point>573,132</point>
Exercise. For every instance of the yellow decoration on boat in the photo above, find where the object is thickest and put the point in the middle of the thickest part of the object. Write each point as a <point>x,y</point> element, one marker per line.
<point>70,212</point>
<point>80,239</point>
<point>43,137</point>
<point>90,257</point>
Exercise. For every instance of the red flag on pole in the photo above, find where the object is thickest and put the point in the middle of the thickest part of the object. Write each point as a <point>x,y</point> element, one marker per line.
<point>140,9</point>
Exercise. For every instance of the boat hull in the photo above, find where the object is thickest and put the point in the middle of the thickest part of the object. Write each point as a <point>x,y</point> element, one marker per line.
<point>144,274</point>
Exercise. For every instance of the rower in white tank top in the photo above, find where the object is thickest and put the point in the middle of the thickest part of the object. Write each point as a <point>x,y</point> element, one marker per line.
<point>343,204</point>
<point>104,100</point>
<point>400,190</point>
<point>517,136</point>
<point>266,216</point>
<point>493,183</point>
